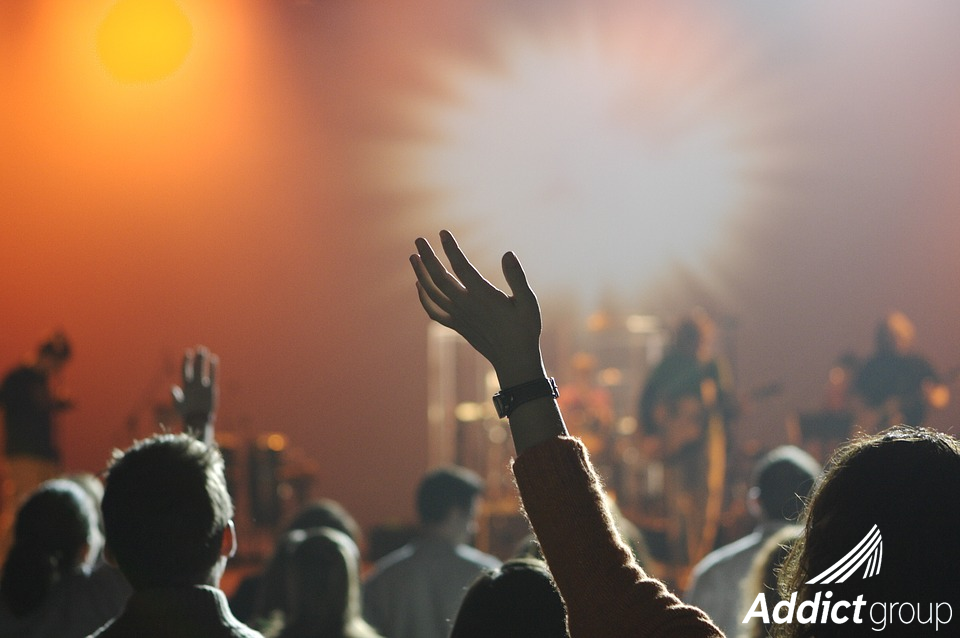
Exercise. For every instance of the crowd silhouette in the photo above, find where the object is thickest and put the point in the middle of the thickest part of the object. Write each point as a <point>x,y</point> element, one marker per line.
<point>869,550</point>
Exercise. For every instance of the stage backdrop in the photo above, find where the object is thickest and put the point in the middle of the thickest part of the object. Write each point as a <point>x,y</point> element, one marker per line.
<point>257,184</point>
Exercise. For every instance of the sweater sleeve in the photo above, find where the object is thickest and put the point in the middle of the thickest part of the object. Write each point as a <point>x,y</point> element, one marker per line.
<point>605,590</point>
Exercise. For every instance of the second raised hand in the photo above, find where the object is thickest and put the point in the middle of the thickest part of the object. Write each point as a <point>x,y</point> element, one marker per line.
<point>505,329</point>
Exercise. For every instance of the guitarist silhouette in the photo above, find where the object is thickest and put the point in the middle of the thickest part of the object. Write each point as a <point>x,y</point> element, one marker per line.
<point>896,385</point>
<point>685,409</point>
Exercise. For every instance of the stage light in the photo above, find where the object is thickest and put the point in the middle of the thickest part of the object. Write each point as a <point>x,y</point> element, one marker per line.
<point>144,40</point>
<point>612,150</point>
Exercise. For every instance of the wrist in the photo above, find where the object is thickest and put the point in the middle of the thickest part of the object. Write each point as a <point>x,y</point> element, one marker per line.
<point>519,370</point>
<point>509,399</point>
<point>197,419</point>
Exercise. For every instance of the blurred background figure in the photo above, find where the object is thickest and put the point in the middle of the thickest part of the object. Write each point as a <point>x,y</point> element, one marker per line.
<point>415,591</point>
<point>685,411</point>
<point>262,593</point>
<point>45,589</point>
<point>896,385</point>
<point>781,481</point>
<point>30,405</point>
<point>321,589</point>
<point>588,407</point>
<point>762,578</point>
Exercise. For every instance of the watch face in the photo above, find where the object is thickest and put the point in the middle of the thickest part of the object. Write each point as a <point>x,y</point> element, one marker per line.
<point>501,403</point>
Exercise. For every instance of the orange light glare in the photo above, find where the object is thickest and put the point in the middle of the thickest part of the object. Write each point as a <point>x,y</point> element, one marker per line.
<point>144,40</point>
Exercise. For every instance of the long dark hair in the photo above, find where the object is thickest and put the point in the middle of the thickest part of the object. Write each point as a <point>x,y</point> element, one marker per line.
<point>904,480</point>
<point>53,525</point>
<point>322,586</point>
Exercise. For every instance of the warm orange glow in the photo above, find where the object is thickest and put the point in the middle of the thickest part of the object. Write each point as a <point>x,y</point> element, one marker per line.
<point>276,442</point>
<point>144,40</point>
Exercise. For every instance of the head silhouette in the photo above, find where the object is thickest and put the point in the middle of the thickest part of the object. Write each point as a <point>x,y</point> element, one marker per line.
<point>56,528</point>
<point>904,480</point>
<point>166,512</point>
<point>322,585</point>
<point>518,600</point>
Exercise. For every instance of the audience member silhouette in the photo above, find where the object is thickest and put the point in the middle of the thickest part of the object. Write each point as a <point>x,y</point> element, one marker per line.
<point>517,600</point>
<point>606,592</point>
<point>44,589</point>
<point>904,481</point>
<point>167,516</point>
<point>781,481</point>
<point>321,589</point>
<point>415,591</point>
<point>106,582</point>
<point>31,404</point>
<point>260,594</point>
<point>762,577</point>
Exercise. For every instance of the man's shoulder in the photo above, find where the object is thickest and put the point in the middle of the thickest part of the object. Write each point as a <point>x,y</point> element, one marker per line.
<point>729,556</point>
<point>425,555</point>
<point>477,557</point>
<point>395,560</point>
<point>177,612</point>
<point>112,630</point>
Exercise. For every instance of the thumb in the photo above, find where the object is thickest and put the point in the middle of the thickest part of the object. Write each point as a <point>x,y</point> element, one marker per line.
<point>517,279</point>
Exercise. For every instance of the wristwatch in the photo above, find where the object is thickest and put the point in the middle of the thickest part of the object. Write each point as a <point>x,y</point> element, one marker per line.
<point>508,399</point>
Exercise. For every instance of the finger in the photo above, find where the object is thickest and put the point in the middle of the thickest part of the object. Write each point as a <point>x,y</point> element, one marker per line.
<point>177,393</point>
<point>517,279</point>
<point>464,270</point>
<point>425,281</point>
<point>442,279</point>
<point>433,310</point>
<point>188,365</point>
<point>213,365</point>
<point>199,361</point>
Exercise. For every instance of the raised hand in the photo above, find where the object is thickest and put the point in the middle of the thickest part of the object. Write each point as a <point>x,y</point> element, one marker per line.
<point>195,399</point>
<point>504,329</point>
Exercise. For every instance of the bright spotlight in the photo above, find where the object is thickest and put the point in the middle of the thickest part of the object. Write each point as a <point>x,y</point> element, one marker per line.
<point>144,40</point>
<point>602,150</point>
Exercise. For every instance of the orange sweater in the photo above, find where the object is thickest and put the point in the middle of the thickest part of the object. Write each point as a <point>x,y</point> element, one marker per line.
<point>607,594</point>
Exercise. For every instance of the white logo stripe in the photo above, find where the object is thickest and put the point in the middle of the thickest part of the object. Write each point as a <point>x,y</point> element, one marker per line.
<point>840,565</point>
<point>866,554</point>
<point>870,548</point>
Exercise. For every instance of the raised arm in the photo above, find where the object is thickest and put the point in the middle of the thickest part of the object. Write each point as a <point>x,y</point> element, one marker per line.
<point>505,329</point>
<point>605,590</point>
<point>195,399</point>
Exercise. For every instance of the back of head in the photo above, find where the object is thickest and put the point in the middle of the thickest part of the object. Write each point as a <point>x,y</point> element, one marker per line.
<point>322,584</point>
<point>165,509</point>
<point>905,481</point>
<point>518,600</point>
<point>326,513</point>
<point>784,478</point>
<point>444,490</point>
<point>53,527</point>
<point>688,337</point>
<point>895,334</point>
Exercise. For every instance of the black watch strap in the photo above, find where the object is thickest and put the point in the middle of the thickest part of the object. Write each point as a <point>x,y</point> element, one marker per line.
<point>508,399</point>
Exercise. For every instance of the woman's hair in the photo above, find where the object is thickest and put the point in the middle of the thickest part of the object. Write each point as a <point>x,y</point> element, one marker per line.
<point>325,513</point>
<point>518,600</point>
<point>904,481</point>
<point>321,586</point>
<point>56,522</point>
<point>762,578</point>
